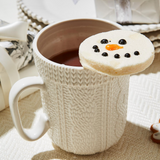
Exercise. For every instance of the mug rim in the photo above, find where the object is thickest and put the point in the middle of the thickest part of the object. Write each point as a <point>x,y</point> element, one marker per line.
<point>37,52</point>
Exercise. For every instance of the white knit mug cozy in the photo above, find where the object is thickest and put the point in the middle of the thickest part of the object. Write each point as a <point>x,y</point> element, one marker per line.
<point>83,111</point>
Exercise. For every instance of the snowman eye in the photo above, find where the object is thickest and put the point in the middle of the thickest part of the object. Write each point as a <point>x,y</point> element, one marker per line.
<point>104,41</point>
<point>122,41</point>
<point>95,47</point>
<point>97,50</point>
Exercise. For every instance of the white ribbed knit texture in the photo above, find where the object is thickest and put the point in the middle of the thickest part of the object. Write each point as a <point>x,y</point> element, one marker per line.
<point>87,110</point>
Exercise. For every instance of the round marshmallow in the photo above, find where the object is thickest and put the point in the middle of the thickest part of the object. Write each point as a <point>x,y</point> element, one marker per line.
<point>117,52</point>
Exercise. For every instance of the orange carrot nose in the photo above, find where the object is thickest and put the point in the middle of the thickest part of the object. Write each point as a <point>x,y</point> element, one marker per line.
<point>112,47</point>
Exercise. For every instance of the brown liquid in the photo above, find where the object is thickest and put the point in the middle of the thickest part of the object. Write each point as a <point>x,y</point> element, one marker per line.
<point>69,58</point>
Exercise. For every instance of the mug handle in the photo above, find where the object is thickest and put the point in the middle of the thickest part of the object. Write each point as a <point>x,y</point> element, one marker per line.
<point>42,124</point>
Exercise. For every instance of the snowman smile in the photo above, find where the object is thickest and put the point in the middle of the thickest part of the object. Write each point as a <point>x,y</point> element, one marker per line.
<point>112,47</point>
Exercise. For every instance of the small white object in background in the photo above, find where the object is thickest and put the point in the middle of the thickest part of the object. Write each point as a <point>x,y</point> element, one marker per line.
<point>123,11</point>
<point>35,25</point>
<point>21,52</point>
<point>55,10</point>
<point>14,31</point>
<point>17,41</point>
<point>142,11</point>
<point>16,53</point>
<point>9,73</point>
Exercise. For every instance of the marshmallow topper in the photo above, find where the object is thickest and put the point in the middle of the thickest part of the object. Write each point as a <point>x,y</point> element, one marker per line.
<point>117,52</point>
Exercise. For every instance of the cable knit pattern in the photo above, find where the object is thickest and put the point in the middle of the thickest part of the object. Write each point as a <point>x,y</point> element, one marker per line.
<point>87,110</point>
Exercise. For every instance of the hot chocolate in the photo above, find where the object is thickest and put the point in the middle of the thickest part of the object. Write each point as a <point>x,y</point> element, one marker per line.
<point>69,58</point>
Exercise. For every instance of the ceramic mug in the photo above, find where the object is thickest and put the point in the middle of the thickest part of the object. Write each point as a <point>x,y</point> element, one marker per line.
<point>83,111</point>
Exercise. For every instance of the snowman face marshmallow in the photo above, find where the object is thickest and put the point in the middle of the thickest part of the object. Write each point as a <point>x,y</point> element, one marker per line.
<point>116,52</point>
